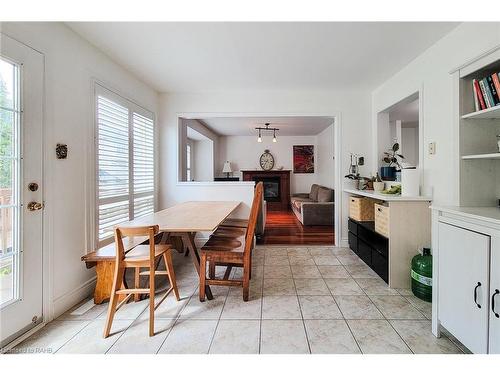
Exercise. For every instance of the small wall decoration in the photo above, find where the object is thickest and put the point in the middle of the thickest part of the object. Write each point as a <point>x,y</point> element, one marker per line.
<point>61,151</point>
<point>303,159</point>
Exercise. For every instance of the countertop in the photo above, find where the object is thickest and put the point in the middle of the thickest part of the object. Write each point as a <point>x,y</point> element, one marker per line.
<point>385,197</point>
<point>490,214</point>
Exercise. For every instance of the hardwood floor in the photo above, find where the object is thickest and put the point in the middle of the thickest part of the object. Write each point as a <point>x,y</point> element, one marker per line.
<point>283,228</point>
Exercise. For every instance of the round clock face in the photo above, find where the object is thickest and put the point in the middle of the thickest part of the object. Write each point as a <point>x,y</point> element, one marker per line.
<point>266,161</point>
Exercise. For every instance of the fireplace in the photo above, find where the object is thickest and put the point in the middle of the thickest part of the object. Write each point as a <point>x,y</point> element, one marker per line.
<point>276,187</point>
<point>272,188</point>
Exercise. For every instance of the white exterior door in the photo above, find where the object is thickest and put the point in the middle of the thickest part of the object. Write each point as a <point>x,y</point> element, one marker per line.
<point>463,285</point>
<point>21,204</point>
<point>495,297</point>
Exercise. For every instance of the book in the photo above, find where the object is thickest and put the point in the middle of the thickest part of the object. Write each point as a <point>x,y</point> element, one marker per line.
<point>479,95</point>
<point>484,92</point>
<point>494,94</point>
<point>476,100</point>
<point>496,81</point>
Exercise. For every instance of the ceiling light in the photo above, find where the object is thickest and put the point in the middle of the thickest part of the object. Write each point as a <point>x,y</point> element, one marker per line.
<point>267,128</point>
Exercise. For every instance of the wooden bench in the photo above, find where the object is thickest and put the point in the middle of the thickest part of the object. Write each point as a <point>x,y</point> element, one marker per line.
<point>103,260</point>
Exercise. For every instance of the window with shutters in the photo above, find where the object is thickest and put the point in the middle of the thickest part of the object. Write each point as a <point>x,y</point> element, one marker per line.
<point>124,162</point>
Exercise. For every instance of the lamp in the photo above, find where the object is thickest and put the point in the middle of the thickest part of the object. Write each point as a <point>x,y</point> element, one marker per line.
<point>227,169</point>
<point>268,129</point>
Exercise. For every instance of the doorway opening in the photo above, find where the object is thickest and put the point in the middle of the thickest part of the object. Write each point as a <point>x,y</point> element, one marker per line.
<point>401,123</point>
<point>294,161</point>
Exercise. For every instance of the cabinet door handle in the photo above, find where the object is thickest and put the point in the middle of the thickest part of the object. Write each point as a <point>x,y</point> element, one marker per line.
<point>493,303</point>
<point>475,294</point>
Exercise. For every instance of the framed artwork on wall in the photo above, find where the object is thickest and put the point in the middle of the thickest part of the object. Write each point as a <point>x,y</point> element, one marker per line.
<point>303,159</point>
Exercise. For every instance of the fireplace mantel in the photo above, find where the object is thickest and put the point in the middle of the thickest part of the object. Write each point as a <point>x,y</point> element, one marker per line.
<point>284,178</point>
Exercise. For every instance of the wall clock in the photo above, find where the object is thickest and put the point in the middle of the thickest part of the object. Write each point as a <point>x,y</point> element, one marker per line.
<point>266,161</point>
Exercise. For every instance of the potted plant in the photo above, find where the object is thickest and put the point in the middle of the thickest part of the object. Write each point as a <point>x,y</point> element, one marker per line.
<point>391,157</point>
<point>378,184</point>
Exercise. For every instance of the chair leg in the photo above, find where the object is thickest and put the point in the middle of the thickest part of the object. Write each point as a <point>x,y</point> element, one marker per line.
<point>203,276</point>
<point>228,272</point>
<point>211,270</point>
<point>151,302</point>
<point>246,281</point>
<point>137,296</point>
<point>167,257</point>
<point>113,302</point>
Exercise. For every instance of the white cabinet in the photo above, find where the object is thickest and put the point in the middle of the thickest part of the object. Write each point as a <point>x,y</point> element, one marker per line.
<point>466,276</point>
<point>463,285</point>
<point>495,297</point>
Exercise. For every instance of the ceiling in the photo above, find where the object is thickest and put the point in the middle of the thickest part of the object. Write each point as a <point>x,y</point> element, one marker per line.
<point>195,136</point>
<point>289,126</point>
<point>190,57</point>
<point>406,113</point>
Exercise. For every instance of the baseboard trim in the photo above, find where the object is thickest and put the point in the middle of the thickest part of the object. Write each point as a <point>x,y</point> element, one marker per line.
<point>63,303</point>
<point>344,242</point>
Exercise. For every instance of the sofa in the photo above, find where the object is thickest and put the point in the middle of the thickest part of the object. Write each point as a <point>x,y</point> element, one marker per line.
<point>315,207</point>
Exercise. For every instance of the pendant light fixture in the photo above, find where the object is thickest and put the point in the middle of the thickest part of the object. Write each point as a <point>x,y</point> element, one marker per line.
<point>267,128</point>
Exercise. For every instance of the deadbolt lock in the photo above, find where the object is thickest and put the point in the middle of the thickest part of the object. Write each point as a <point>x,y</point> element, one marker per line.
<point>35,206</point>
<point>32,186</point>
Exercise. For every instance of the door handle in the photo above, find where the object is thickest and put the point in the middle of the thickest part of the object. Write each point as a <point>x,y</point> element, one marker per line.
<point>475,294</point>
<point>493,303</point>
<point>35,206</point>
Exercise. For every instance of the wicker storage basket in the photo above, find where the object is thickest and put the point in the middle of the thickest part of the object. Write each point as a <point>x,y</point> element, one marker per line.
<point>362,208</point>
<point>382,220</point>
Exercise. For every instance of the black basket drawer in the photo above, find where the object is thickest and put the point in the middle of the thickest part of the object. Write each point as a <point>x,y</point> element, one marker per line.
<point>365,251</point>
<point>375,240</point>
<point>380,265</point>
<point>352,226</point>
<point>353,242</point>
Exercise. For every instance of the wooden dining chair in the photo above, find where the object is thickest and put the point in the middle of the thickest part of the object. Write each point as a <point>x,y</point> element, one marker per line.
<point>230,248</point>
<point>141,256</point>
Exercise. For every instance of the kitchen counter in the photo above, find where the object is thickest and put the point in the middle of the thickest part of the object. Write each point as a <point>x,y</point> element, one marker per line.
<point>385,197</point>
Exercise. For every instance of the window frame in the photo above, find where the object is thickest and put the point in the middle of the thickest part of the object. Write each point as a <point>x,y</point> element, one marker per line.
<point>132,107</point>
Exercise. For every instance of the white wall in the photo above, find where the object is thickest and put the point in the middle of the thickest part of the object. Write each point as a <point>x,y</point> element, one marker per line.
<point>431,73</point>
<point>352,108</point>
<point>325,162</point>
<point>409,144</point>
<point>206,174</point>
<point>244,152</point>
<point>70,65</point>
<point>203,160</point>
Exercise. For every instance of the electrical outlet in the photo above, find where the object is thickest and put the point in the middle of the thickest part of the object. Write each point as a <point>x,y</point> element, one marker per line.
<point>361,160</point>
<point>432,148</point>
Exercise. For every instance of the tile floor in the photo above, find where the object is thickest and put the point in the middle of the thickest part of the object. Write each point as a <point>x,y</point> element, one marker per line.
<point>303,300</point>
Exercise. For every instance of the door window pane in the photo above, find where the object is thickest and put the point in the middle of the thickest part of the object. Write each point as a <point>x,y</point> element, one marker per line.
<point>6,132</point>
<point>8,87</point>
<point>9,182</point>
<point>6,278</point>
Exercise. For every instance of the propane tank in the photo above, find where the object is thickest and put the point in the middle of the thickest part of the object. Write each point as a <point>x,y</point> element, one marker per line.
<point>421,275</point>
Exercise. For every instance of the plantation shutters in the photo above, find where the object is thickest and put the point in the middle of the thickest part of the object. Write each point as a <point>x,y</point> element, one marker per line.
<point>125,162</point>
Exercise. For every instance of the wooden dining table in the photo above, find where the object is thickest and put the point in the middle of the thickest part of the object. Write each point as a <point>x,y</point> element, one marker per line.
<point>183,220</point>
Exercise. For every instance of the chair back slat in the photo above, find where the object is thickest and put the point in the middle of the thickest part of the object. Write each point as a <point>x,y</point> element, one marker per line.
<point>252,220</point>
<point>151,231</point>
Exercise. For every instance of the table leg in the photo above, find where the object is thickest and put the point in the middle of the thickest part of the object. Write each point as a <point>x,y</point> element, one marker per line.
<point>188,239</point>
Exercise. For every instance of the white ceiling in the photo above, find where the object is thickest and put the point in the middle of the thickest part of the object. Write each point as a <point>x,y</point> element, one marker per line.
<point>195,136</point>
<point>289,126</point>
<point>187,57</point>
<point>405,112</point>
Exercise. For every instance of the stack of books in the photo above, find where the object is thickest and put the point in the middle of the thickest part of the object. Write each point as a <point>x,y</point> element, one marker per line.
<point>486,91</point>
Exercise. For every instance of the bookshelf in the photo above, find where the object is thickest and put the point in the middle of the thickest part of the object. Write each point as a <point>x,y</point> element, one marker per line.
<point>479,159</point>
